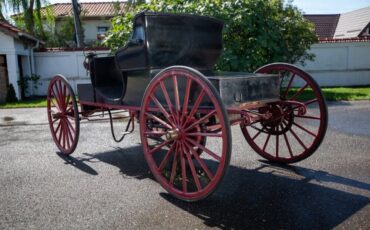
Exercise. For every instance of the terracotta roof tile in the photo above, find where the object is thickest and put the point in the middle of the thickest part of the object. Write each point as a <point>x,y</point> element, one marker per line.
<point>89,9</point>
<point>325,24</point>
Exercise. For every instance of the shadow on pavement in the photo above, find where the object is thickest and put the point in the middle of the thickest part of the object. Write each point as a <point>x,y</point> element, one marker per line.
<point>269,196</point>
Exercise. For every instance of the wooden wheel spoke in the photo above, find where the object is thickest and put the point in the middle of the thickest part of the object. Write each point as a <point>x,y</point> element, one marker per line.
<point>289,85</point>
<point>199,134</point>
<point>299,92</point>
<point>311,101</point>
<point>176,92</point>
<point>277,143</point>
<point>288,145</point>
<point>61,95</point>
<point>186,98</point>
<point>70,125</point>
<point>64,134</point>
<point>308,117</point>
<point>304,129</point>
<point>183,170</point>
<point>58,126</point>
<point>161,108</point>
<point>201,120</point>
<point>200,161</point>
<point>158,147</point>
<point>257,134</point>
<point>266,142</point>
<point>167,98</point>
<point>212,154</point>
<point>174,165</point>
<point>68,99</point>
<point>55,120</point>
<point>195,107</point>
<point>57,98</point>
<point>152,116</point>
<point>155,133</point>
<point>192,169</point>
<point>165,159</point>
<point>298,139</point>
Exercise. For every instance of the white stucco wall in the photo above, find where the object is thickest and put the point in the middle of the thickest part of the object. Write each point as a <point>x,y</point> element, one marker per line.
<point>340,64</point>
<point>7,47</point>
<point>12,48</point>
<point>66,63</point>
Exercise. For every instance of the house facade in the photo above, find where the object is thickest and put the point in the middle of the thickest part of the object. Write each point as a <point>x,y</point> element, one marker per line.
<point>95,17</point>
<point>16,57</point>
<point>342,53</point>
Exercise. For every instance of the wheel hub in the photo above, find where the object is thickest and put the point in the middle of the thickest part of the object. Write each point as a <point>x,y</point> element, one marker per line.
<point>172,135</point>
<point>280,116</point>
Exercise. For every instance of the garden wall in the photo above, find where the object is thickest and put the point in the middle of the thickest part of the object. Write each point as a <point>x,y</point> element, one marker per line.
<point>341,63</point>
<point>336,64</point>
<point>67,63</point>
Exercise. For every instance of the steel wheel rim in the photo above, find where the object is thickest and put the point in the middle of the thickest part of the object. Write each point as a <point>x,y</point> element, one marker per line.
<point>169,173</point>
<point>63,115</point>
<point>304,136</point>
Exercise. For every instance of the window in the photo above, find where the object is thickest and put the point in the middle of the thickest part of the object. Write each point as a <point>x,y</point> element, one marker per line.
<point>101,32</point>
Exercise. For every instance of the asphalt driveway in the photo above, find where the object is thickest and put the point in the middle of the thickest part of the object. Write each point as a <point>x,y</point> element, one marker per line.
<point>105,185</point>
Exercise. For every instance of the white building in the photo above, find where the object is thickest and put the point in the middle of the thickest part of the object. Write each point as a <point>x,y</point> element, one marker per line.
<point>16,57</point>
<point>95,16</point>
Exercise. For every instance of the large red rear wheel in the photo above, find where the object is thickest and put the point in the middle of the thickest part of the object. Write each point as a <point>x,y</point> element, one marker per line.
<point>180,109</point>
<point>63,115</point>
<point>298,122</point>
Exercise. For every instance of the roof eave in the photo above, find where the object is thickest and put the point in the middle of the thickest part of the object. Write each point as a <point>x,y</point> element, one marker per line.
<point>29,37</point>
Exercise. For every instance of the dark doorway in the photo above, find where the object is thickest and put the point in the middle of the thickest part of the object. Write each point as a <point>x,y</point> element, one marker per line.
<point>4,80</point>
<point>21,78</point>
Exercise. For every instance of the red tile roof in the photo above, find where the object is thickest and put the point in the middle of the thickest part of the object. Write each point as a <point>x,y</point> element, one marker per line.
<point>325,24</point>
<point>89,9</point>
<point>16,32</point>
<point>344,40</point>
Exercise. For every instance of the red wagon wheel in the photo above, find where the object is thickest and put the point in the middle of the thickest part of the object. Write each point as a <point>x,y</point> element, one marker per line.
<point>298,122</point>
<point>180,109</point>
<point>63,115</point>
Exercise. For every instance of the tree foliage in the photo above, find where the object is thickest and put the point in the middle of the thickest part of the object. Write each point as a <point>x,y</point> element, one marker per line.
<point>29,13</point>
<point>256,32</point>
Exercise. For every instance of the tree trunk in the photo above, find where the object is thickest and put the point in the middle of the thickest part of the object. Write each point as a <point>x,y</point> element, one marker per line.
<point>78,28</point>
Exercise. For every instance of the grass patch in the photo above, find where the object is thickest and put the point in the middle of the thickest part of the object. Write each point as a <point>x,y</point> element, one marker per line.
<point>28,103</point>
<point>331,94</point>
<point>337,93</point>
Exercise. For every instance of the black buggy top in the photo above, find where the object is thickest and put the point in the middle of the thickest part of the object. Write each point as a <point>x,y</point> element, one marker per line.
<point>160,40</point>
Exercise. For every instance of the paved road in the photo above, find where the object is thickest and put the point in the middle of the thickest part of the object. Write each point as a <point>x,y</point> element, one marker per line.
<point>105,185</point>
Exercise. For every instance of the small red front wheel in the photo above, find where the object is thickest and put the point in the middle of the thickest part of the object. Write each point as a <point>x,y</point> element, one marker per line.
<point>298,123</point>
<point>63,114</point>
<point>180,109</point>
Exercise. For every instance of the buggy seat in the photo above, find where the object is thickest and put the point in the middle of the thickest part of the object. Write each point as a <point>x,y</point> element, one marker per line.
<point>108,81</point>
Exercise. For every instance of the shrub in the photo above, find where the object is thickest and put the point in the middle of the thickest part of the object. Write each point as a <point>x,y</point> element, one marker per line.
<point>256,32</point>
<point>10,95</point>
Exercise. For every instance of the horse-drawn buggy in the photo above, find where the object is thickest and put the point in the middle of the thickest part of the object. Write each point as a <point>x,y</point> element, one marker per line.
<point>163,79</point>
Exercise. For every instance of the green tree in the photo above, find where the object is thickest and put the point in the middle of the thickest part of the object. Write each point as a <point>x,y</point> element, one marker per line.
<point>256,32</point>
<point>29,13</point>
